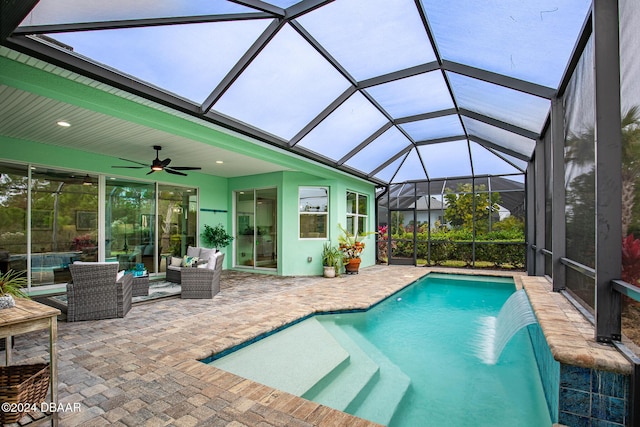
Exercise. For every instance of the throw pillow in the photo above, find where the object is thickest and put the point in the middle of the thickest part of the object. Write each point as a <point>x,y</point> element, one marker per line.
<point>189,261</point>
<point>176,262</point>
<point>206,254</point>
<point>212,261</point>
<point>193,251</point>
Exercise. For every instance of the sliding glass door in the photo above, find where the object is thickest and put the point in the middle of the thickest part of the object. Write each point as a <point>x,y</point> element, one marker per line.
<point>256,228</point>
<point>130,223</point>
<point>177,221</point>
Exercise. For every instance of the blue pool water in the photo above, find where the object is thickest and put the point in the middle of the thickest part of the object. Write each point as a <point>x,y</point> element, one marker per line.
<point>423,342</point>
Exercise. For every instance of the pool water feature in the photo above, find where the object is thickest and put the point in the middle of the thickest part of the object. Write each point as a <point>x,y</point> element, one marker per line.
<point>495,332</point>
<point>408,361</point>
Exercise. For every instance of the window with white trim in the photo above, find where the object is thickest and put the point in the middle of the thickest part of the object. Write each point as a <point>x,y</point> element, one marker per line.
<point>357,207</point>
<point>313,211</point>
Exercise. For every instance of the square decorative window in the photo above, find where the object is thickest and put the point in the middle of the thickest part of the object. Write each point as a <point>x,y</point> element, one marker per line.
<point>313,205</point>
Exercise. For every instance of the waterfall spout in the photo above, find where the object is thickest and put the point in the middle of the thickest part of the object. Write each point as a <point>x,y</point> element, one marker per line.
<point>495,332</point>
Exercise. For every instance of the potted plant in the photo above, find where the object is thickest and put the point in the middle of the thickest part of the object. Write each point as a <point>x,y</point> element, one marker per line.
<point>331,260</point>
<point>351,246</point>
<point>11,284</point>
<point>216,237</point>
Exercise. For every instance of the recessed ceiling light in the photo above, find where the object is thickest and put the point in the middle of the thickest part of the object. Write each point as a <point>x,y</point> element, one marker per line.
<point>63,124</point>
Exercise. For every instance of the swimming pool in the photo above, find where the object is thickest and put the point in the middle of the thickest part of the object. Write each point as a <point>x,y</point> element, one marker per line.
<point>410,360</point>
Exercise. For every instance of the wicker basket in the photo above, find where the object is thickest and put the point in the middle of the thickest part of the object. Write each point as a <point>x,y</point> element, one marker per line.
<point>27,384</point>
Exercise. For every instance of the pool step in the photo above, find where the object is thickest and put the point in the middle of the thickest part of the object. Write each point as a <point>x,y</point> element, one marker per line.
<point>293,360</point>
<point>342,387</point>
<point>379,399</point>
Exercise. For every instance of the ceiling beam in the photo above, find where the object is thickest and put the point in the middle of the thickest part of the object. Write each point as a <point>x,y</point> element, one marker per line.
<point>500,79</point>
<point>453,138</point>
<point>400,74</point>
<point>11,15</point>
<point>303,7</point>
<point>501,156</point>
<point>323,115</point>
<point>426,116</point>
<point>366,142</point>
<point>260,5</point>
<point>493,145</point>
<point>576,54</point>
<point>322,51</point>
<point>246,59</point>
<point>499,124</point>
<point>137,23</point>
<point>403,152</point>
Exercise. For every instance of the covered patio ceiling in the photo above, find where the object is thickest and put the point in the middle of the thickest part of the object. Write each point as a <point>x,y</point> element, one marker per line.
<point>388,90</point>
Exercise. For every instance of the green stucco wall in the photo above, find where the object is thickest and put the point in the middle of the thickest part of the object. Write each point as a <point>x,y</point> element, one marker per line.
<point>293,252</point>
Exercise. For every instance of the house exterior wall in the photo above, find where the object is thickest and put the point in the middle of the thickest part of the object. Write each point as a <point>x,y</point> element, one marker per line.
<point>293,252</point>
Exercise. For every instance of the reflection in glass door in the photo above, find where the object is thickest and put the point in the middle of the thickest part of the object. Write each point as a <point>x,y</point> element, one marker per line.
<point>129,223</point>
<point>64,223</point>
<point>177,221</point>
<point>256,228</point>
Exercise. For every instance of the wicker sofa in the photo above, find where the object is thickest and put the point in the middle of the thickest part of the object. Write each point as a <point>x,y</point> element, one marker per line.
<point>97,293</point>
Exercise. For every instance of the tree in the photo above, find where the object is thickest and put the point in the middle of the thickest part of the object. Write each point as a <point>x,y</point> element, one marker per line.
<point>460,210</point>
<point>581,152</point>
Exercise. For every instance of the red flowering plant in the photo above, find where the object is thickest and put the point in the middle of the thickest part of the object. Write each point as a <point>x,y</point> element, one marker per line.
<point>630,266</point>
<point>81,242</point>
<point>631,260</point>
<point>383,244</point>
<point>350,244</point>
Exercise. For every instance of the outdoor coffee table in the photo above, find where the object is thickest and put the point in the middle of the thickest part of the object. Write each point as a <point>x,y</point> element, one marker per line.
<point>140,286</point>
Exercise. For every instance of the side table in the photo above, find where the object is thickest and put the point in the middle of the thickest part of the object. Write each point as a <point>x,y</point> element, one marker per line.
<point>140,286</point>
<point>28,316</point>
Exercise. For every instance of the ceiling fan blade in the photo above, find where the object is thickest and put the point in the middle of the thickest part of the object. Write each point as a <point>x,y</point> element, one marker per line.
<point>150,172</point>
<point>129,167</point>
<point>165,162</point>
<point>133,161</point>
<point>175,172</point>
<point>185,168</point>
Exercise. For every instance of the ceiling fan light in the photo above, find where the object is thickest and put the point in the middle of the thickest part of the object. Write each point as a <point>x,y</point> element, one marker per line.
<point>87,180</point>
<point>156,168</point>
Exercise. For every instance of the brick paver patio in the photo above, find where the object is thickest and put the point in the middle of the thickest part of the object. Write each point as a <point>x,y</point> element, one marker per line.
<point>143,370</point>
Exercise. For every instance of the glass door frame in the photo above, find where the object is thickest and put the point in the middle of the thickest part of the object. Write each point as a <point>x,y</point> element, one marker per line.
<point>256,232</point>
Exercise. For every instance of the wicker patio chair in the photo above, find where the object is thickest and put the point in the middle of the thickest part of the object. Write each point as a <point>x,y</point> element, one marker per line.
<point>95,293</point>
<point>202,282</point>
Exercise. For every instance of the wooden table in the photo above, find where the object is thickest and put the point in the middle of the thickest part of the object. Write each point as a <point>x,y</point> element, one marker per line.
<point>28,316</point>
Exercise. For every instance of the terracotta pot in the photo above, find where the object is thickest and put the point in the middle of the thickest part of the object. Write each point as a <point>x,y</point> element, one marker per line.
<point>352,266</point>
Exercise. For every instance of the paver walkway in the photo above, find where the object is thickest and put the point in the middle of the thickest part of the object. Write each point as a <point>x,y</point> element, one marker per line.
<point>143,370</point>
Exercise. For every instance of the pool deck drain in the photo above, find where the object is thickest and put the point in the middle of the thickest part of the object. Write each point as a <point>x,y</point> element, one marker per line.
<point>143,370</point>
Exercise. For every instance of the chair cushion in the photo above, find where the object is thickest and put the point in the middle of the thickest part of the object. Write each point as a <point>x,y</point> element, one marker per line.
<point>205,254</point>
<point>174,267</point>
<point>189,261</point>
<point>203,265</point>
<point>120,275</point>
<point>193,251</point>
